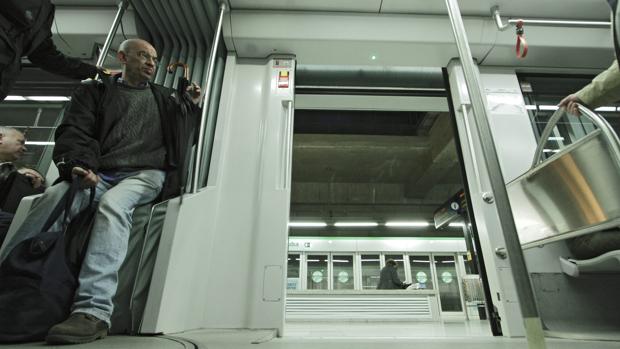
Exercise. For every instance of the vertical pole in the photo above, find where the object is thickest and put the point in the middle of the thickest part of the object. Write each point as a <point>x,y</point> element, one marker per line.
<point>122,6</point>
<point>205,108</point>
<point>499,196</point>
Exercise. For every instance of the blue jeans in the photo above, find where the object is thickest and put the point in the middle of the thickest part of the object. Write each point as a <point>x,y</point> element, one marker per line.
<point>107,247</point>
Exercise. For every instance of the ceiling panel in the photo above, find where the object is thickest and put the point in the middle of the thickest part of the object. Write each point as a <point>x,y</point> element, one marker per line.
<point>305,5</point>
<point>85,2</point>
<point>575,9</point>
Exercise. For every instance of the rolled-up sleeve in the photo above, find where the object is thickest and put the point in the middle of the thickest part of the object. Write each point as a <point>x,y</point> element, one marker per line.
<point>604,88</point>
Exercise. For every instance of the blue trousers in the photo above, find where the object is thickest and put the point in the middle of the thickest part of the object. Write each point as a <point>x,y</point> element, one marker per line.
<point>107,247</point>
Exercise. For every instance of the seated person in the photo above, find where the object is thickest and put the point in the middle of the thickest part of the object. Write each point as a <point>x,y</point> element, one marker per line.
<point>12,147</point>
<point>118,134</point>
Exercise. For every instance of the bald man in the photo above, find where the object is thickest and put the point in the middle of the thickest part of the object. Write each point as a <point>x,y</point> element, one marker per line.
<point>120,135</point>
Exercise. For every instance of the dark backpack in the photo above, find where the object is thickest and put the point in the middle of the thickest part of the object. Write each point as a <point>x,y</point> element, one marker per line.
<point>39,276</point>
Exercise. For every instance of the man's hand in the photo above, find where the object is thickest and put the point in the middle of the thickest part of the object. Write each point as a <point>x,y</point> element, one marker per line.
<point>108,72</point>
<point>194,92</point>
<point>35,178</point>
<point>89,178</point>
<point>570,103</point>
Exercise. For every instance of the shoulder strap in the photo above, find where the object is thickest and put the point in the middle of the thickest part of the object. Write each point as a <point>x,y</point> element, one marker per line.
<point>63,205</point>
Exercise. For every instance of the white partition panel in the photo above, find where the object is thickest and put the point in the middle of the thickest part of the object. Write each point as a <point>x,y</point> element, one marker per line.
<point>222,256</point>
<point>515,143</point>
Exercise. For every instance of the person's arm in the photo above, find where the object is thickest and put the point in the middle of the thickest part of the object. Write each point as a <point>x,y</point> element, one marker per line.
<point>604,89</point>
<point>76,143</point>
<point>50,59</point>
<point>395,280</point>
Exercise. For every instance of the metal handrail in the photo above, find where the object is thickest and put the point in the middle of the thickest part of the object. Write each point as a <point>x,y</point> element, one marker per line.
<point>611,138</point>
<point>547,22</point>
<point>122,6</point>
<point>207,96</point>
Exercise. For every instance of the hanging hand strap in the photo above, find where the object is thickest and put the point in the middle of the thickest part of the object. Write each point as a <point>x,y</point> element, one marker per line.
<point>521,42</point>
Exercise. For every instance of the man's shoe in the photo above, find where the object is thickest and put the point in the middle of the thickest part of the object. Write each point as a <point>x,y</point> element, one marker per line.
<point>78,328</point>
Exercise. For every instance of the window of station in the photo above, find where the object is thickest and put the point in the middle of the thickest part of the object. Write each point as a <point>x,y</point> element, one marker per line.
<point>338,271</point>
<point>371,267</point>
<point>342,271</point>
<point>293,280</point>
<point>400,262</point>
<point>421,274</point>
<point>317,275</point>
<point>448,283</point>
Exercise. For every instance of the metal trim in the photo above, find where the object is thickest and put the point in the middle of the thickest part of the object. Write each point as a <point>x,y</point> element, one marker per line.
<point>610,136</point>
<point>534,334</point>
<point>545,22</point>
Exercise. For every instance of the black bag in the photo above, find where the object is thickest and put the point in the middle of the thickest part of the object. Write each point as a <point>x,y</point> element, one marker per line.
<point>38,280</point>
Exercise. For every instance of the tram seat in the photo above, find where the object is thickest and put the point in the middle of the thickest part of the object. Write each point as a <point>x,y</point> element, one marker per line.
<point>134,276</point>
<point>573,195</point>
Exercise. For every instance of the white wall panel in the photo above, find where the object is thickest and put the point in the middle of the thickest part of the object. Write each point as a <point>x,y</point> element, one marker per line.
<point>357,306</point>
<point>510,122</point>
<point>221,262</point>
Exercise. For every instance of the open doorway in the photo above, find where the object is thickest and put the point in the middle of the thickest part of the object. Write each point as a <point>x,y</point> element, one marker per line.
<point>371,168</point>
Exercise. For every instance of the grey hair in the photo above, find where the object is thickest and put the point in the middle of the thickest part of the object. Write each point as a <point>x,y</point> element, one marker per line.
<point>4,130</point>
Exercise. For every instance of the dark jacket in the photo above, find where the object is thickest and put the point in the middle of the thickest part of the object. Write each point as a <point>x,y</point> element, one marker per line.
<point>13,187</point>
<point>92,112</point>
<point>25,32</point>
<point>7,169</point>
<point>388,279</point>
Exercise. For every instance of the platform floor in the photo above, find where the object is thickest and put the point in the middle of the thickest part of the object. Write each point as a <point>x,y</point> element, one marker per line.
<point>320,335</point>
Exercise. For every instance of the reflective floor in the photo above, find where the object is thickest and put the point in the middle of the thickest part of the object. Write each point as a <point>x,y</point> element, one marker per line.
<point>387,329</point>
<point>337,336</point>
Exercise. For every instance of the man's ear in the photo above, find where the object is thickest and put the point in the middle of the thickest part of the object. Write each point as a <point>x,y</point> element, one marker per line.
<point>121,56</point>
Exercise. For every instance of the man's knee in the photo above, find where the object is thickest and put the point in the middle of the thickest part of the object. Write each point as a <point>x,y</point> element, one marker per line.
<point>111,204</point>
<point>152,178</point>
